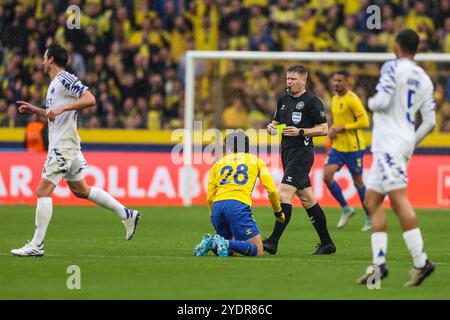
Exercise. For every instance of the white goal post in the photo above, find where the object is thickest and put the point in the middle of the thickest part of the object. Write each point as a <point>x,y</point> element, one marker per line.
<point>192,56</point>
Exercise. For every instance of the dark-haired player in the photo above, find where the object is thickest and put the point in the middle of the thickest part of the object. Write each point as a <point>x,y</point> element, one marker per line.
<point>304,116</point>
<point>403,89</point>
<point>349,117</point>
<point>66,95</point>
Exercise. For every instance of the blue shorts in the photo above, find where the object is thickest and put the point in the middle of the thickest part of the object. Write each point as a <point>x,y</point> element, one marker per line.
<point>233,219</point>
<point>353,160</point>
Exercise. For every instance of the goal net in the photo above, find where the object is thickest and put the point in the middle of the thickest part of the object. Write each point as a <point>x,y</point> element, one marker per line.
<point>237,89</point>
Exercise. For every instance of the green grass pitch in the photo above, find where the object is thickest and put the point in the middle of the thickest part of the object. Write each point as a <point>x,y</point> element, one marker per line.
<point>159,263</point>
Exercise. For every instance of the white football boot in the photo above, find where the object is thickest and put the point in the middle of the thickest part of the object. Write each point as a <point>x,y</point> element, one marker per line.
<point>367,225</point>
<point>131,222</point>
<point>347,213</point>
<point>29,250</point>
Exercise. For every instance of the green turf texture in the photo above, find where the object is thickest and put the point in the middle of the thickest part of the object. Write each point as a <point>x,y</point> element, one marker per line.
<point>159,263</point>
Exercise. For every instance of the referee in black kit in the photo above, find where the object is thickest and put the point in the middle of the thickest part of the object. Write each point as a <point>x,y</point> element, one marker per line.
<point>304,116</point>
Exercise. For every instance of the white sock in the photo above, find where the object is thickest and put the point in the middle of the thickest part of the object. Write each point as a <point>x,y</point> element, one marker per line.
<point>379,247</point>
<point>44,211</point>
<point>104,199</point>
<point>414,243</point>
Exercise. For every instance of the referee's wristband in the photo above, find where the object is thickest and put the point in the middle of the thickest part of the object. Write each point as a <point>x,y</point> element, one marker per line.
<point>301,132</point>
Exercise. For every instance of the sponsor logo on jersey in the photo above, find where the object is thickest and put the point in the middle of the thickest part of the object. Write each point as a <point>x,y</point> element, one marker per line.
<point>296,117</point>
<point>283,107</point>
<point>288,179</point>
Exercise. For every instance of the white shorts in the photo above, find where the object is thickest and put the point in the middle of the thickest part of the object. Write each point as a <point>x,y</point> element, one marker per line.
<point>388,172</point>
<point>64,163</point>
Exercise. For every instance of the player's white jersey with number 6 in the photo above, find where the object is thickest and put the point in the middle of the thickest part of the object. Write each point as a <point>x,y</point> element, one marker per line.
<point>63,89</point>
<point>403,89</point>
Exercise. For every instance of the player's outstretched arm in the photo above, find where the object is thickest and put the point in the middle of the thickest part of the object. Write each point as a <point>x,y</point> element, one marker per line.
<point>25,107</point>
<point>269,185</point>
<point>86,100</point>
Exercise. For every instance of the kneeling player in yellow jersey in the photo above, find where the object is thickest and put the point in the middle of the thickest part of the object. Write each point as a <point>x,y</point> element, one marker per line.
<point>230,186</point>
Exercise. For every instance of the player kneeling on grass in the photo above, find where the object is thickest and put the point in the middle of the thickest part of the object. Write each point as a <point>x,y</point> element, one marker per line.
<point>230,186</point>
<point>66,95</point>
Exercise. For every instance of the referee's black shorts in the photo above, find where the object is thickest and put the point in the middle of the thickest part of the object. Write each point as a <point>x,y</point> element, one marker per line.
<point>297,164</point>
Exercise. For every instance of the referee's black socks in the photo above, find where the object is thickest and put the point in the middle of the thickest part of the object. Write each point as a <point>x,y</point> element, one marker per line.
<point>278,229</point>
<point>319,221</point>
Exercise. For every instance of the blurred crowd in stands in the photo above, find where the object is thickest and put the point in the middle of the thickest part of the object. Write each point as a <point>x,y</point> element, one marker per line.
<point>131,54</point>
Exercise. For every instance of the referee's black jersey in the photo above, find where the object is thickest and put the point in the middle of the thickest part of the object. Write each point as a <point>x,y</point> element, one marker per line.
<point>305,111</point>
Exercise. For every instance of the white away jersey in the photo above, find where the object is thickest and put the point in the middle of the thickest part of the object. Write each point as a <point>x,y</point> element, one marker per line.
<point>409,89</point>
<point>63,89</point>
